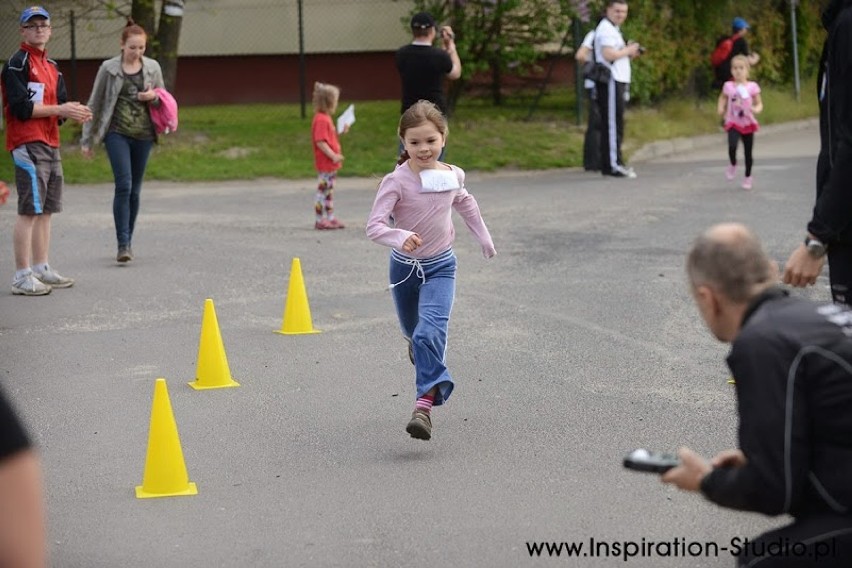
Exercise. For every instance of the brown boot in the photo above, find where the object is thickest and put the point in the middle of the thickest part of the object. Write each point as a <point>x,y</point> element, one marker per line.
<point>420,425</point>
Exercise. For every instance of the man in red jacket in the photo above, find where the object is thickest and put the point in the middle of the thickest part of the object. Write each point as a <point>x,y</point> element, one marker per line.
<point>35,103</point>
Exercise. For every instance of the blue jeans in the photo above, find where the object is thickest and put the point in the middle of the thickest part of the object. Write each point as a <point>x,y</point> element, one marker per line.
<point>128,158</point>
<point>423,291</point>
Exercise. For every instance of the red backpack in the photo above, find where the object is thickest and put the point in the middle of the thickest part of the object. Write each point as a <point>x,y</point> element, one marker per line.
<point>723,50</point>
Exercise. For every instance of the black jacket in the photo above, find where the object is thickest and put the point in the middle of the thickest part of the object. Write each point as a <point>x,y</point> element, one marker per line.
<point>832,216</point>
<point>792,362</point>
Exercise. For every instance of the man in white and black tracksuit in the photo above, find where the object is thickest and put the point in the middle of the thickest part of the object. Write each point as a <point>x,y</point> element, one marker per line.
<point>612,51</point>
<point>791,360</point>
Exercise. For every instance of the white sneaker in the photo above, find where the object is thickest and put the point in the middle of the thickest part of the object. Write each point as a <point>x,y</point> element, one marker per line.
<point>29,285</point>
<point>53,278</point>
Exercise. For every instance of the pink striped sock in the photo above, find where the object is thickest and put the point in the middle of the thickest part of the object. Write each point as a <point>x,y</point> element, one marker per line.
<point>424,403</point>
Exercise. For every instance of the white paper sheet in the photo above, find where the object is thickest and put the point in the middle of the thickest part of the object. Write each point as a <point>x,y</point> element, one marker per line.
<point>346,118</point>
<point>436,181</point>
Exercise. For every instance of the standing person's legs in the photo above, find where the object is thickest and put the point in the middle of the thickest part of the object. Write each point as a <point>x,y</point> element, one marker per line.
<point>140,150</point>
<point>39,181</point>
<point>324,202</point>
<point>840,273</point>
<point>118,150</point>
<point>607,132</point>
<point>592,140</point>
<point>620,103</point>
<point>22,239</point>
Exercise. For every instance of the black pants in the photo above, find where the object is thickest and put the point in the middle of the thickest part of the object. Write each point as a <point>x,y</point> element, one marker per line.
<point>840,273</point>
<point>748,143</point>
<point>592,141</point>
<point>611,107</point>
<point>823,541</point>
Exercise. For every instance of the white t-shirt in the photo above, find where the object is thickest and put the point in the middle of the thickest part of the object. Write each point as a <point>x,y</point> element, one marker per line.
<point>589,43</point>
<point>608,35</point>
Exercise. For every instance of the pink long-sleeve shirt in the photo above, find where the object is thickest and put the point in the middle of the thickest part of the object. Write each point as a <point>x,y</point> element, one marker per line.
<point>426,214</point>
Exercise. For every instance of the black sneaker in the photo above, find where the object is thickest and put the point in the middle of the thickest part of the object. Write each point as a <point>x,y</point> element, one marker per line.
<point>124,254</point>
<point>420,425</point>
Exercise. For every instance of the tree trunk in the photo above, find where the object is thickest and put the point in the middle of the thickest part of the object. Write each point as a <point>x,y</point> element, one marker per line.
<point>142,12</point>
<point>168,35</point>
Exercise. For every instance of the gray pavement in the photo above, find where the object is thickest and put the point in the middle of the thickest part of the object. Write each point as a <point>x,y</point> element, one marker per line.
<point>576,344</point>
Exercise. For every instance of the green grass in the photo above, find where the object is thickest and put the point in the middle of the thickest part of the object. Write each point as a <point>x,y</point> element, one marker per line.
<point>252,141</point>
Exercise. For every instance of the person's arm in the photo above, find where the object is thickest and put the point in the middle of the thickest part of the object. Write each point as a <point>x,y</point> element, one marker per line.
<point>773,435</point>
<point>448,39</point>
<point>64,109</point>
<point>722,103</point>
<point>757,104</point>
<point>95,104</point>
<point>22,531</point>
<point>468,208</point>
<point>611,54</point>
<point>378,223</point>
<point>326,149</point>
<point>583,54</point>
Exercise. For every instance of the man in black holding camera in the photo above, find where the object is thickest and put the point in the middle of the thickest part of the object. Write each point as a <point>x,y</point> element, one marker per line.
<point>614,53</point>
<point>792,362</point>
<point>423,67</point>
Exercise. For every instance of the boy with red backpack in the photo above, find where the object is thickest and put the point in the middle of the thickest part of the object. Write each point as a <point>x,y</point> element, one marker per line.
<point>726,48</point>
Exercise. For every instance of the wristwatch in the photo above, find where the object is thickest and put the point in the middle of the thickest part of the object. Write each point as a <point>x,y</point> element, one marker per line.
<point>816,248</point>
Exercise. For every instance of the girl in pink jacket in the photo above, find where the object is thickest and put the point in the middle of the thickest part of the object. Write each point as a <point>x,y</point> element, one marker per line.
<point>412,215</point>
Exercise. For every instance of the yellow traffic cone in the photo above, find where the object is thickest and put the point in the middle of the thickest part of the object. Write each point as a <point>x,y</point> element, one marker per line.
<point>165,471</point>
<point>297,312</point>
<point>212,371</point>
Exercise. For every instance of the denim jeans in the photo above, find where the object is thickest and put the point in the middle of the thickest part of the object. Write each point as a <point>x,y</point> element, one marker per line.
<point>423,292</point>
<point>128,158</point>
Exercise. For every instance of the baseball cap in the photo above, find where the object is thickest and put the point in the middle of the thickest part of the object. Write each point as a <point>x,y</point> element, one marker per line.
<point>739,24</point>
<point>32,12</point>
<point>422,21</point>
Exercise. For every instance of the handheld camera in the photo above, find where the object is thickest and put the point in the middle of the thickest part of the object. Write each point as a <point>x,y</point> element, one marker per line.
<point>650,462</point>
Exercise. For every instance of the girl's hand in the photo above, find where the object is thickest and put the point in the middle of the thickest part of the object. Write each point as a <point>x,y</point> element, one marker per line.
<point>147,95</point>
<point>337,158</point>
<point>411,243</point>
<point>87,152</point>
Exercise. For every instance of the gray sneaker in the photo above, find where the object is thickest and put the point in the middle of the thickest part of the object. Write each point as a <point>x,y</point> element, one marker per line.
<point>420,425</point>
<point>53,278</point>
<point>124,254</point>
<point>29,285</point>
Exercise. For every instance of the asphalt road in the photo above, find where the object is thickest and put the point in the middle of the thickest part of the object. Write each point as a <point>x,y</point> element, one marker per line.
<point>576,344</point>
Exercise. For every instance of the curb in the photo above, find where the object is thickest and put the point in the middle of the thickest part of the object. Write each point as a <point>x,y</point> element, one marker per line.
<point>663,148</point>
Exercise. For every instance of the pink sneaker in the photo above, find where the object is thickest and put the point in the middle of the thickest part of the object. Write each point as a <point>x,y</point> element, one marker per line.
<point>730,172</point>
<point>336,224</point>
<point>322,225</point>
<point>747,183</point>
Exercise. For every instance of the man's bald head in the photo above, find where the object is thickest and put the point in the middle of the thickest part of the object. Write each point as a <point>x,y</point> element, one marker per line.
<point>730,259</point>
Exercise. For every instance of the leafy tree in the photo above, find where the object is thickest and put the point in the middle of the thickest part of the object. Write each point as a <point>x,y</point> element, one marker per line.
<point>496,36</point>
<point>163,32</point>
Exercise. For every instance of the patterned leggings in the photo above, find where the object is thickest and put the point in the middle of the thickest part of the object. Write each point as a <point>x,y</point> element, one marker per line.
<point>325,195</point>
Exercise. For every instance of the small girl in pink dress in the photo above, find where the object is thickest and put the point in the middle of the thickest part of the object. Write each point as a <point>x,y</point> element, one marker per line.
<point>739,101</point>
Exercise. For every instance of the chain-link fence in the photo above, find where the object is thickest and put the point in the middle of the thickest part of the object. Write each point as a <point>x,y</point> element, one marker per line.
<point>258,51</point>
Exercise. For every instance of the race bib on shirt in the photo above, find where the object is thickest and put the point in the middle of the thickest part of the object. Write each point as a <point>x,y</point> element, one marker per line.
<point>36,92</point>
<point>742,91</point>
<point>437,181</point>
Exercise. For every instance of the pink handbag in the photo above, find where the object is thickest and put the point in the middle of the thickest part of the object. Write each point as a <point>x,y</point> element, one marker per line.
<point>164,116</point>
